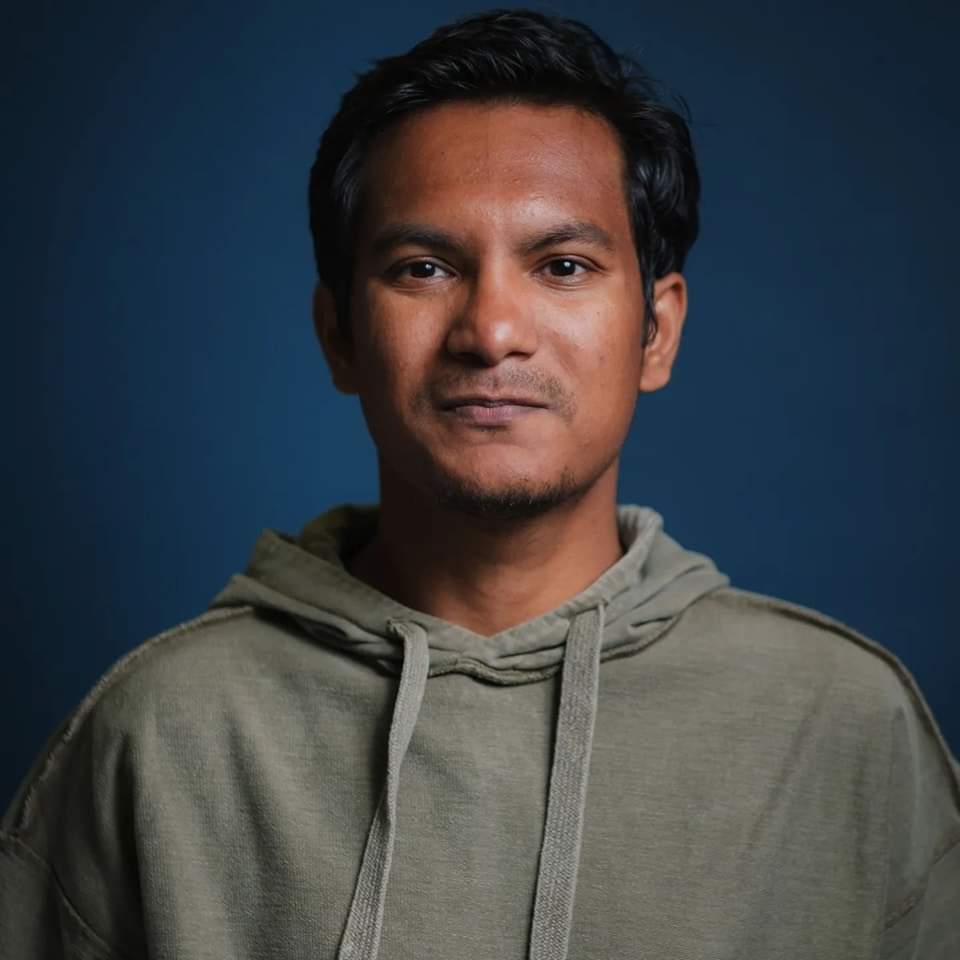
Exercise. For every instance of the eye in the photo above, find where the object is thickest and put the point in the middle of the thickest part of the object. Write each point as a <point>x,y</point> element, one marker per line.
<point>562,268</point>
<point>418,270</point>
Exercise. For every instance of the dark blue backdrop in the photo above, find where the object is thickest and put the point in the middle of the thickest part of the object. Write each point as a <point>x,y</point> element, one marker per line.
<point>167,401</point>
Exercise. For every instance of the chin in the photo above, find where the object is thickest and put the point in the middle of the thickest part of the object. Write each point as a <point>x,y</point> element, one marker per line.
<point>520,498</point>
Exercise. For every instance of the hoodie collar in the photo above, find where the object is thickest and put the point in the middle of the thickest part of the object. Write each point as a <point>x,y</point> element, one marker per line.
<point>305,577</point>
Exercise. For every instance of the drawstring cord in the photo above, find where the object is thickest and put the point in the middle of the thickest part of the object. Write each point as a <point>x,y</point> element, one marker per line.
<point>563,827</point>
<point>361,935</point>
<point>563,830</point>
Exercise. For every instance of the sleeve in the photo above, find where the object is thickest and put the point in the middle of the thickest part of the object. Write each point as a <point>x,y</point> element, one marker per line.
<point>922,909</point>
<point>29,927</point>
<point>52,852</point>
<point>37,922</point>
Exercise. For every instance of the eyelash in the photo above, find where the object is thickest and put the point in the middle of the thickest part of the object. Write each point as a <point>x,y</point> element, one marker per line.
<point>397,271</point>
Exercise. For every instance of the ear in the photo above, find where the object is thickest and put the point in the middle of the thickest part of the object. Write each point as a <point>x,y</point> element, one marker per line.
<point>337,348</point>
<point>670,308</point>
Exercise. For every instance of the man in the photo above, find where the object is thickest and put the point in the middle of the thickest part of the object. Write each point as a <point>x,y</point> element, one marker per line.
<point>496,716</point>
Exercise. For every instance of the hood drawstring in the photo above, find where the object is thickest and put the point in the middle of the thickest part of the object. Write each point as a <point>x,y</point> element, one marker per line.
<point>560,852</point>
<point>361,935</point>
<point>566,800</point>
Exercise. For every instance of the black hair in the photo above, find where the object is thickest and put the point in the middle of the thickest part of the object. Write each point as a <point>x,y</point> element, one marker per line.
<point>515,56</point>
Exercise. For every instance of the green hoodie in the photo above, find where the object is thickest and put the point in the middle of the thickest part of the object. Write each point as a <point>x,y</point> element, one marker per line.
<point>662,767</point>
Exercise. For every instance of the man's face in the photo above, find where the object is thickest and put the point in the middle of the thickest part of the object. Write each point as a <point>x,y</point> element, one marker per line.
<point>497,305</point>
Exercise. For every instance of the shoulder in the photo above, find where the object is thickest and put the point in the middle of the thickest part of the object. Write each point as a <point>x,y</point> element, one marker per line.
<point>206,678</point>
<point>164,660</point>
<point>769,636</point>
<point>793,654</point>
<point>810,669</point>
<point>796,661</point>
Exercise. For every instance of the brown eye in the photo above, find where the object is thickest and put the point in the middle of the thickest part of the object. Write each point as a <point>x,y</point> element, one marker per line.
<point>423,271</point>
<point>563,267</point>
<point>418,270</point>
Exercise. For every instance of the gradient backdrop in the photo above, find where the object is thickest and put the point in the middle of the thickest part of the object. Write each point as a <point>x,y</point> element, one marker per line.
<point>167,399</point>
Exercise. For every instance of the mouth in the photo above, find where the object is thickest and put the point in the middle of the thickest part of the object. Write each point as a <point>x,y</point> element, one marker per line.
<point>490,411</point>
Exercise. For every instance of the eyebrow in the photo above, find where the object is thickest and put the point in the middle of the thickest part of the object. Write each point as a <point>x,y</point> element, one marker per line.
<point>415,234</point>
<point>423,235</point>
<point>577,231</point>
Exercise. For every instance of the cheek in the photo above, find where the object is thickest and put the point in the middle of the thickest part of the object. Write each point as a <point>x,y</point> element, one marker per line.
<point>603,355</point>
<point>395,348</point>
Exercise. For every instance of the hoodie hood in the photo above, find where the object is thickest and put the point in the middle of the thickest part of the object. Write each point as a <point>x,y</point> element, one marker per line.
<point>305,577</point>
<point>627,607</point>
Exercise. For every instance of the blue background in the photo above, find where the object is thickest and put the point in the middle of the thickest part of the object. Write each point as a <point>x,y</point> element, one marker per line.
<point>166,399</point>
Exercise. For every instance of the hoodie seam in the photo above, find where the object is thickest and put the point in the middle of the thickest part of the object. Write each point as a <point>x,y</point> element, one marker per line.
<point>907,905</point>
<point>510,677</point>
<point>87,931</point>
<point>883,922</point>
<point>23,851</point>
<point>119,669</point>
<point>637,646</point>
<point>22,847</point>
<point>896,666</point>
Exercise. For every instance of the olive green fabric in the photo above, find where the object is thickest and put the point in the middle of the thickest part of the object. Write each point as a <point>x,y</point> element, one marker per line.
<point>763,782</point>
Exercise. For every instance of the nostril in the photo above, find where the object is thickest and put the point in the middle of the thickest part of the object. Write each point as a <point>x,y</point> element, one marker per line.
<point>490,339</point>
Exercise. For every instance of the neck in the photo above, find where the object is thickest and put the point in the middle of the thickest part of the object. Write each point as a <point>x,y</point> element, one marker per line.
<point>488,575</point>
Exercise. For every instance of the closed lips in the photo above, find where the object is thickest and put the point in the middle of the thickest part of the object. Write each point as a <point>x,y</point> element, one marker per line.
<point>484,401</point>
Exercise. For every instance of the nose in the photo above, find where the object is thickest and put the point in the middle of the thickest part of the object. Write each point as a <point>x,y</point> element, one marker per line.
<point>495,321</point>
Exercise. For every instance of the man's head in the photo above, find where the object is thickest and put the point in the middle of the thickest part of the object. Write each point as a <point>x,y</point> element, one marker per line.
<point>501,215</point>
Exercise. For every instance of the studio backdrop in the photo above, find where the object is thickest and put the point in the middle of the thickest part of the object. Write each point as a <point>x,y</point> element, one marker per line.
<point>167,400</point>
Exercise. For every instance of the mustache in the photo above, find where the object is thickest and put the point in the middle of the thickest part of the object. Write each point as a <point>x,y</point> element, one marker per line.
<point>542,387</point>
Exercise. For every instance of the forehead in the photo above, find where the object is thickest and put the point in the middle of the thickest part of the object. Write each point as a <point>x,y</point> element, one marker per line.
<point>498,162</point>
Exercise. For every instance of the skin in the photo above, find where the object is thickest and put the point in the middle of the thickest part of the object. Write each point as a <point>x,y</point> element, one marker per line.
<point>444,328</point>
